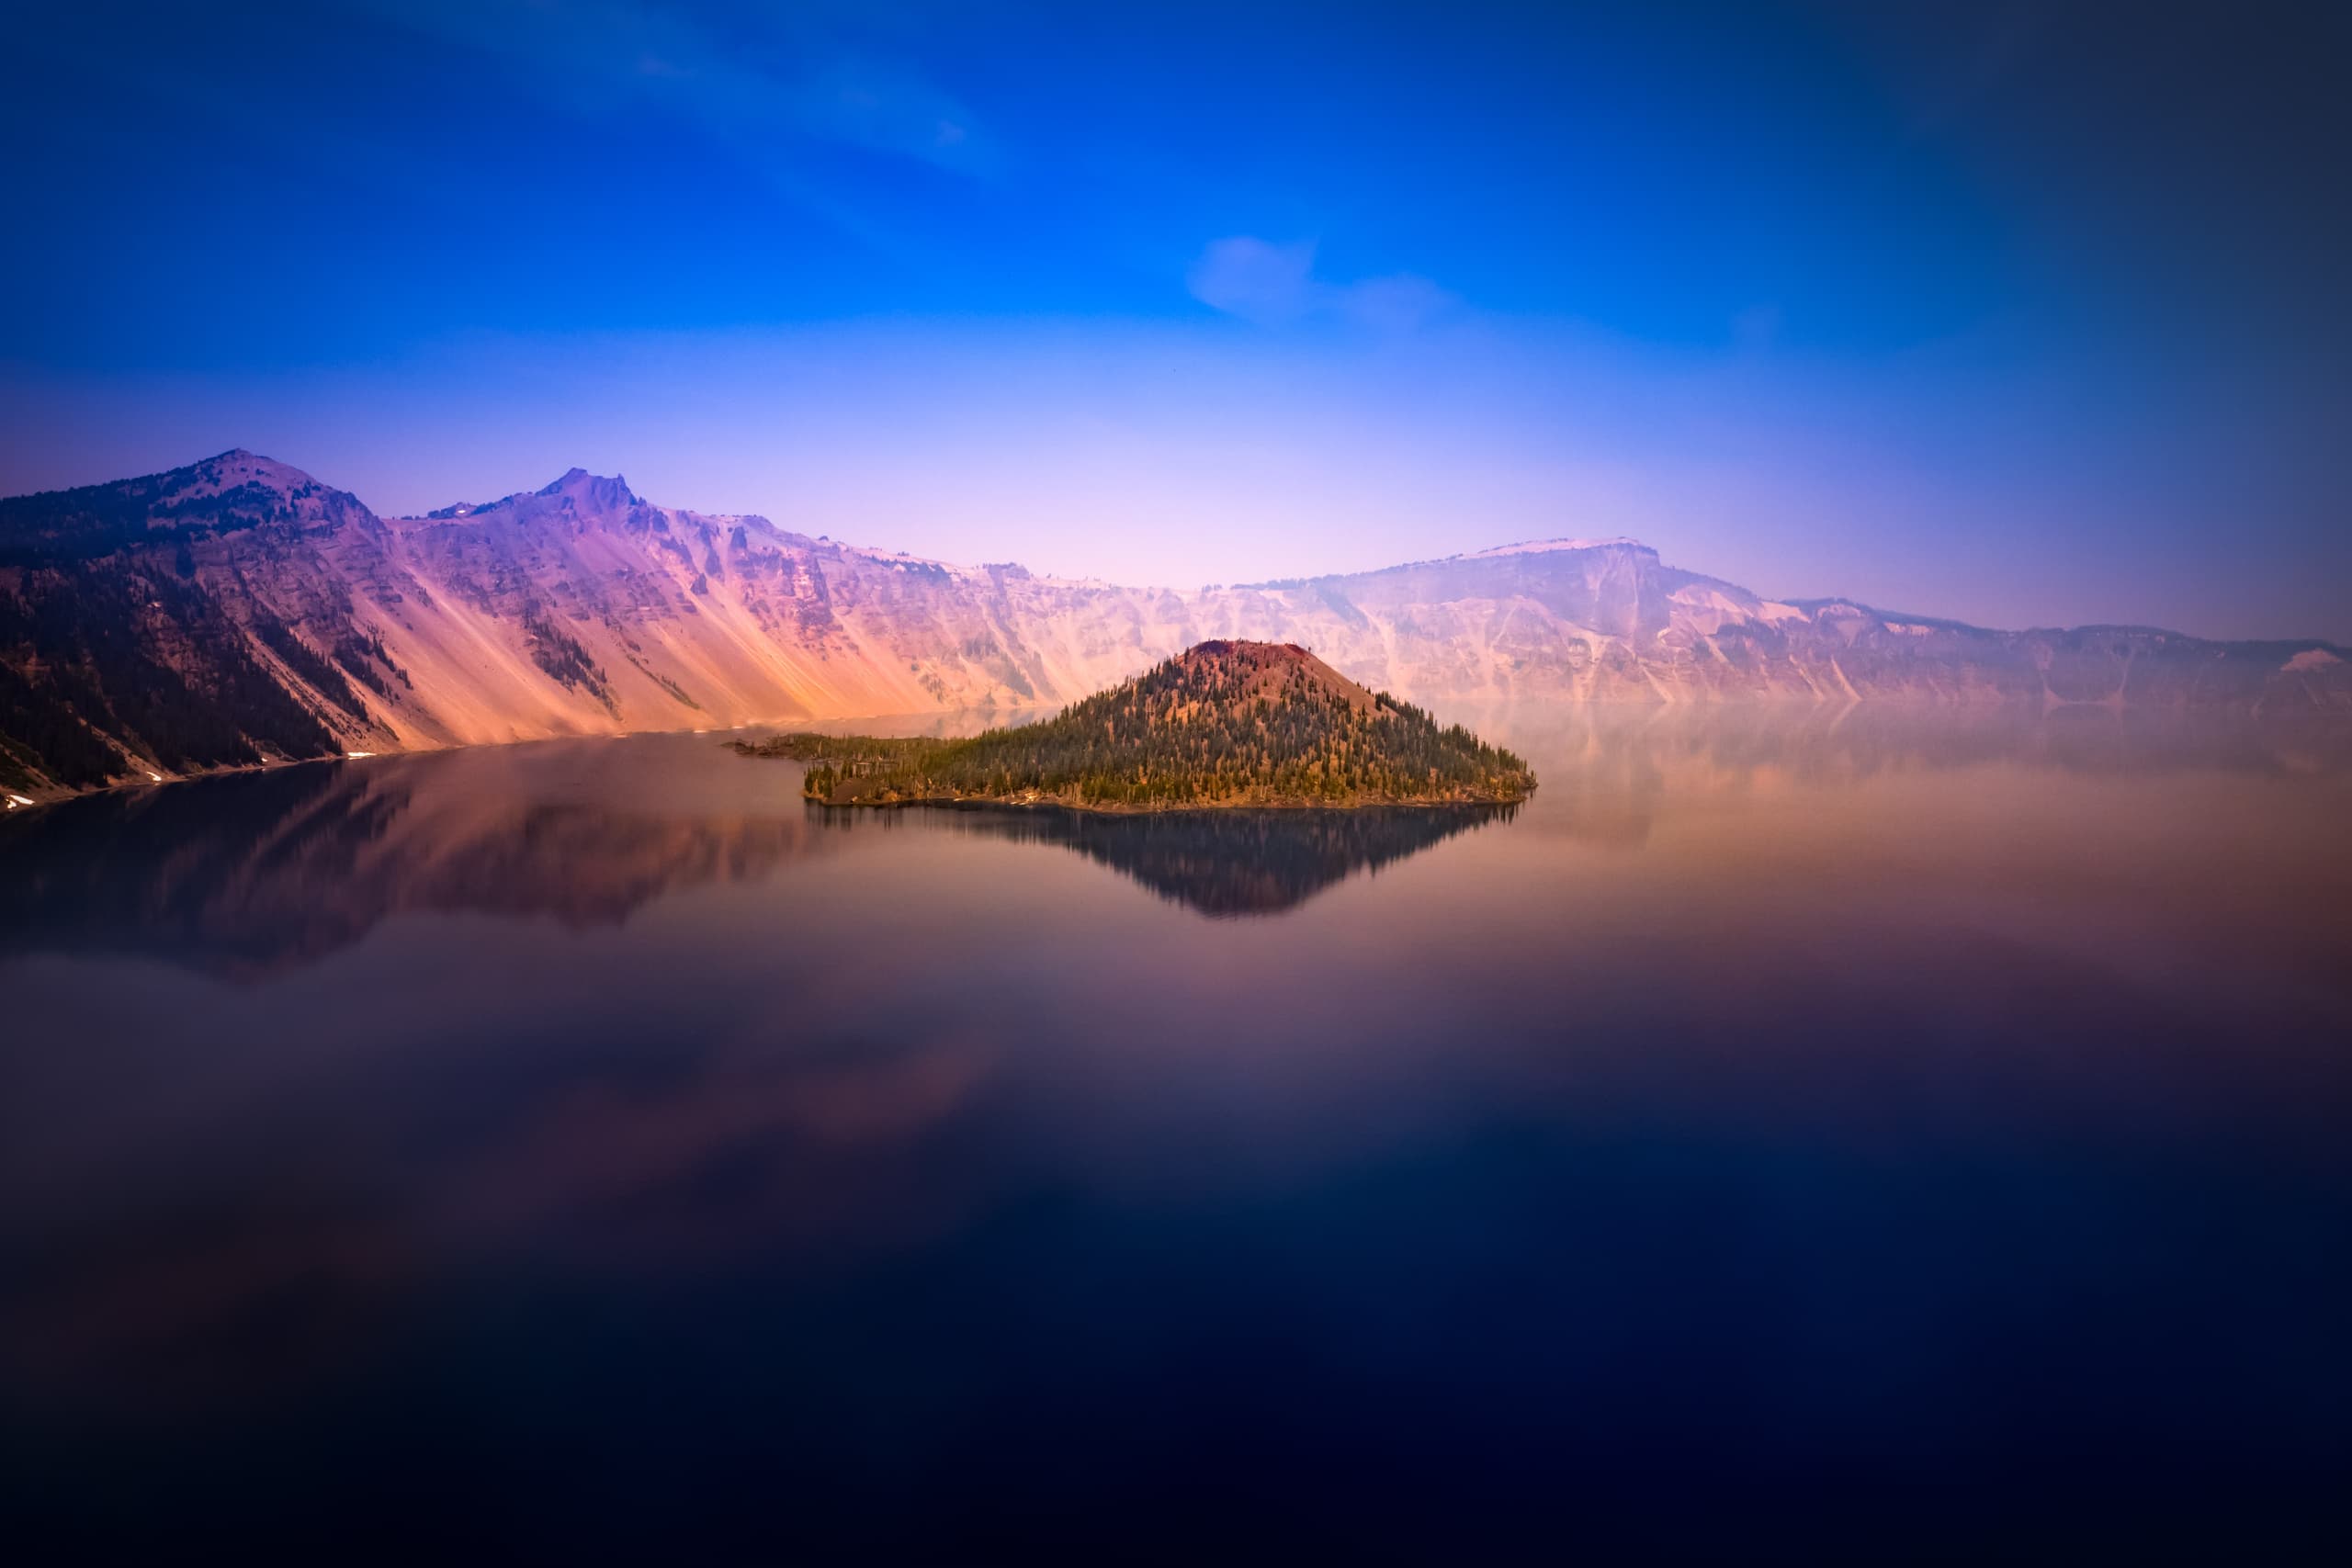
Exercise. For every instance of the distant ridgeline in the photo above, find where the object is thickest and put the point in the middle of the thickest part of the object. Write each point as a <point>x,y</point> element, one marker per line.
<point>237,613</point>
<point>1226,724</point>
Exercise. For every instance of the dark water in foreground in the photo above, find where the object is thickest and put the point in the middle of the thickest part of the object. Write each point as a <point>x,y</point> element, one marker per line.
<point>1788,1135</point>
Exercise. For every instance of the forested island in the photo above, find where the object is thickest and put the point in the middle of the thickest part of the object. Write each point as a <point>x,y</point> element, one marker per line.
<point>1222,725</point>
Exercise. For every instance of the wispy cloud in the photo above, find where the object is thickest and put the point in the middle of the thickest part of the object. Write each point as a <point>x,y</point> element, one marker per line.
<point>1276,285</point>
<point>785,82</point>
<point>1268,284</point>
<point>891,109</point>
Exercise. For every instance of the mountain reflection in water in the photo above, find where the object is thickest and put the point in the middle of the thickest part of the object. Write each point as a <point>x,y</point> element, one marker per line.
<point>247,873</point>
<point>586,1149</point>
<point>244,875</point>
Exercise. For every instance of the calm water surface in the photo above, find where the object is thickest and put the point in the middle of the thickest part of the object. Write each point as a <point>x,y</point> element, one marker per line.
<point>1790,1135</point>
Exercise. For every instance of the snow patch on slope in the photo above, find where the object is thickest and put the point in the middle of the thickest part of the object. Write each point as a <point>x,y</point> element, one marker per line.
<point>1539,546</point>
<point>902,558</point>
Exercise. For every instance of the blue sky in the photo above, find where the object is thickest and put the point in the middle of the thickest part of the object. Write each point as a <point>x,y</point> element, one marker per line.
<point>2024,314</point>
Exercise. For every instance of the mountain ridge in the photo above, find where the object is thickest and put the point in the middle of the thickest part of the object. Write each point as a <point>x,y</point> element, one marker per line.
<point>238,611</point>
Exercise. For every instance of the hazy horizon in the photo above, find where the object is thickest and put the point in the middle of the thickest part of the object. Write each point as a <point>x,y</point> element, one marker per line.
<point>1238,579</point>
<point>2004,315</point>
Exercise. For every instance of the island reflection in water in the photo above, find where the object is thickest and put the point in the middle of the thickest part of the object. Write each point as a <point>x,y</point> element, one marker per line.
<point>1824,1114</point>
<point>1220,864</point>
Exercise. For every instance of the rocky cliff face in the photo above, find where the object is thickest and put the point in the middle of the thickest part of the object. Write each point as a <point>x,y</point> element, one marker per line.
<point>237,611</point>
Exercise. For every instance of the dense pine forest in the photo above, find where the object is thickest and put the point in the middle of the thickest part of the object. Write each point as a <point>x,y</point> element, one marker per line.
<point>1226,724</point>
<point>119,656</point>
<point>158,660</point>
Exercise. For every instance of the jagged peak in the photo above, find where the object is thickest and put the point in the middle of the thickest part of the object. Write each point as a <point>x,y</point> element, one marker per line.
<point>591,491</point>
<point>582,490</point>
<point>576,478</point>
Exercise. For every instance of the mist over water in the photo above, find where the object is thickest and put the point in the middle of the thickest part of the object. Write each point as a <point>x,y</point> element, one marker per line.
<point>1789,1119</point>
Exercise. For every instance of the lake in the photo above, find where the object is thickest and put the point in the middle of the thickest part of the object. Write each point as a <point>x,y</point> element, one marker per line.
<point>1793,1134</point>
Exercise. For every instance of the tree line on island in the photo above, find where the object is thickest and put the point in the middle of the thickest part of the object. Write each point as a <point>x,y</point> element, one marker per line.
<point>1225,723</point>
